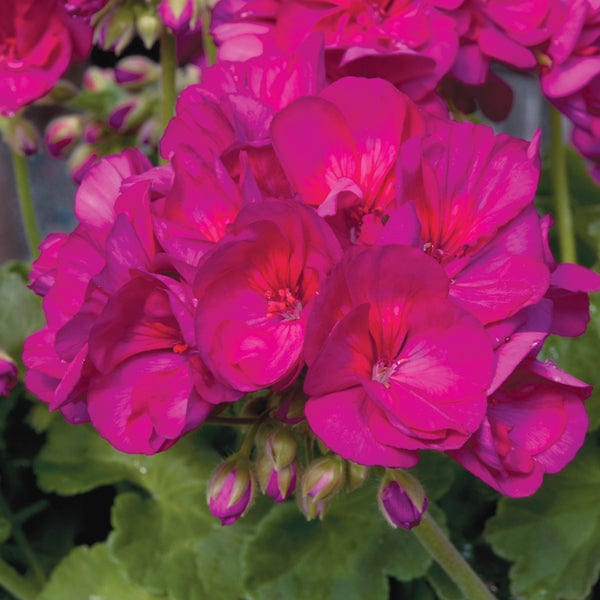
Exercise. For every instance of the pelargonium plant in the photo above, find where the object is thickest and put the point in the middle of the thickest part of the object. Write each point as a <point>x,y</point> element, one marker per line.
<point>311,266</point>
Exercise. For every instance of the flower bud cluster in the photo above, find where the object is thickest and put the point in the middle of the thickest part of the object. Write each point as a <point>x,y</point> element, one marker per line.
<point>115,108</point>
<point>280,471</point>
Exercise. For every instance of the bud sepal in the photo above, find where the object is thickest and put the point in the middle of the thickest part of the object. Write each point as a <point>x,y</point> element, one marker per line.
<point>402,499</point>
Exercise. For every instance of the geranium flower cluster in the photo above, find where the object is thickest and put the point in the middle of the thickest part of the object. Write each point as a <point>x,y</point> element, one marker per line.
<point>446,46</point>
<point>380,267</point>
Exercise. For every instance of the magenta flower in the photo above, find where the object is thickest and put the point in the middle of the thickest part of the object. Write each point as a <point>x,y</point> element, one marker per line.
<point>495,30</point>
<point>501,30</point>
<point>570,286</point>
<point>340,155</point>
<point>199,206</point>
<point>119,348</point>
<point>394,365</point>
<point>535,423</point>
<point>151,385</point>
<point>38,40</point>
<point>412,44</point>
<point>570,74</point>
<point>254,293</point>
<point>574,50</point>
<point>471,193</point>
<point>229,113</point>
<point>62,275</point>
<point>8,374</point>
<point>84,8</point>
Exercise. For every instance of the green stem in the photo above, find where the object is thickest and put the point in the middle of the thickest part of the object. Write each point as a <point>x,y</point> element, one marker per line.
<point>22,543</point>
<point>210,50</point>
<point>248,442</point>
<point>16,584</point>
<point>26,202</point>
<point>560,189</point>
<point>456,567</point>
<point>168,67</point>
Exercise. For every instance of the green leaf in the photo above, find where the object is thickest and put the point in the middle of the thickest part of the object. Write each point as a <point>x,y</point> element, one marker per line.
<point>436,472</point>
<point>178,547</point>
<point>348,555</point>
<point>164,538</point>
<point>20,309</point>
<point>75,459</point>
<point>553,538</point>
<point>90,573</point>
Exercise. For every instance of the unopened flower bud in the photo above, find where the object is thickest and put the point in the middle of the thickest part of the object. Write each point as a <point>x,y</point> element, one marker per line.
<point>128,115</point>
<point>280,483</point>
<point>322,479</point>
<point>276,466</point>
<point>401,499</point>
<point>311,508</point>
<point>96,79</point>
<point>149,133</point>
<point>136,71</point>
<point>356,474</point>
<point>93,132</point>
<point>80,161</point>
<point>281,447</point>
<point>116,29</point>
<point>22,136</point>
<point>230,490</point>
<point>8,374</point>
<point>63,91</point>
<point>180,15</point>
<point>62,134</point>
<point>148,26</point>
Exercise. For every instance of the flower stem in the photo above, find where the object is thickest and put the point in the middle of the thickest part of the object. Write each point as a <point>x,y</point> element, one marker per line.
<point>32,233</point>
<point>248,442</point>
<point>23,543</point>
<point>560,189</point>
<point>168,67</point>
<point>210,50</point>
<point>16,584</point>
<point>456,567</point>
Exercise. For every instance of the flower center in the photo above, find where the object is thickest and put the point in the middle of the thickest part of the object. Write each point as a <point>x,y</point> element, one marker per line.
<point>384,370</point>
<point>283,302</point>
<point>441,255</point>
<point>354,219</point>
<point>180,348</point>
